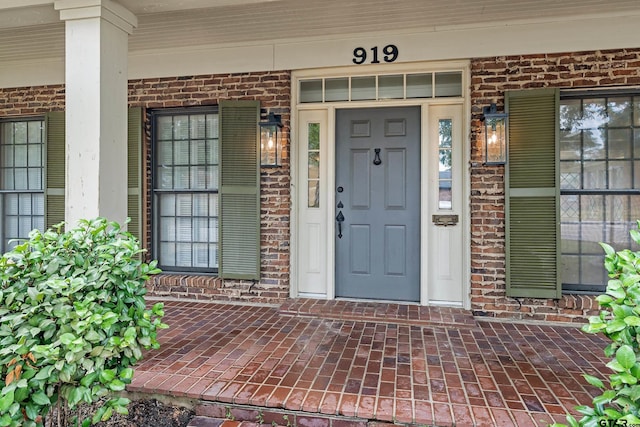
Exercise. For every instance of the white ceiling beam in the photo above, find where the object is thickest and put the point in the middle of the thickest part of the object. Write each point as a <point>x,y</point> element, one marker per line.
<point>18,4</point>
<point>156,6</point>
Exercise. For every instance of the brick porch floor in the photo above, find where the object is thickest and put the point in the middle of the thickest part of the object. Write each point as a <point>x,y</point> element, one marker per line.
<point>336,363</point>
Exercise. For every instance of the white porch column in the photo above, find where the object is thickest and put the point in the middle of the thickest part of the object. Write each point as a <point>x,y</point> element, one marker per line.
<point>96,45</point>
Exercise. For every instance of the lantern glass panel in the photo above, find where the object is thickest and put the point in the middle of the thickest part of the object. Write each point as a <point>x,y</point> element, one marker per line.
<point>495,140</point>
<point>270,145</point>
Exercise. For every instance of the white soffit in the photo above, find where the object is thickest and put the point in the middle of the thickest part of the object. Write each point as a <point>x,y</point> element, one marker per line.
<point>300,19</point>
<point>34,30</point>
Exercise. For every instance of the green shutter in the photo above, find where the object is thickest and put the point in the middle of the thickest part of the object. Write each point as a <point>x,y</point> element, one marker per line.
<point>134,162</point>
<point>532,195</point>
<point>54,168</point>
<point>239,190</point>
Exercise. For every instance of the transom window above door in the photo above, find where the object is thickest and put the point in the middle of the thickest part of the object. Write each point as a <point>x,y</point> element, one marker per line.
<point>381,87</point>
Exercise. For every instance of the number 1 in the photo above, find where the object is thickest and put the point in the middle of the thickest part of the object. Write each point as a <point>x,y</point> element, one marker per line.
<point>374,50</point>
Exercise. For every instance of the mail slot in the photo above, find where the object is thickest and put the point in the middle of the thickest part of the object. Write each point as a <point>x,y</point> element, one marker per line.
<point>444,220</point>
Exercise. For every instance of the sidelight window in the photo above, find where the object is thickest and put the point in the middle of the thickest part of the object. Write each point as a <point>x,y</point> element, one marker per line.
<point>445,180</point>
<point>313,180</point>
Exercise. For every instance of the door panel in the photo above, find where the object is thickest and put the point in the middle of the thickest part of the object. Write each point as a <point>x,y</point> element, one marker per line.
<point>360,179</point>
<point>396,179</point>
<point>395,244</point>
<point>378,198</point>
<point>360,255</point>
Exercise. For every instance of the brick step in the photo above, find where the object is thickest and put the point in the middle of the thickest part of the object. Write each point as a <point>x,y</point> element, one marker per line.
<point>202,421</point>
<point>217,414</point>
<point>401,314</point>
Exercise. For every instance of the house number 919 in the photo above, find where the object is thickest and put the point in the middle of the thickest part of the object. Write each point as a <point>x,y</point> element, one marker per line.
<point>389,54</point>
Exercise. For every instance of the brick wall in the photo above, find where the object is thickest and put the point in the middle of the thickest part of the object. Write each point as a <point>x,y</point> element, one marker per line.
<point>25,102</point>
<point>490,78</point>
<point>273,90</point>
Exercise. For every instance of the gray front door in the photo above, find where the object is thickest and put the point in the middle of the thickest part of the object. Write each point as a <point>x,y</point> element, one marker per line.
<point>378,203</point>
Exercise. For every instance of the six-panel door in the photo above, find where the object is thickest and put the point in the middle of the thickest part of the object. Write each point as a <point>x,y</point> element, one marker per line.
<point>377,203</point>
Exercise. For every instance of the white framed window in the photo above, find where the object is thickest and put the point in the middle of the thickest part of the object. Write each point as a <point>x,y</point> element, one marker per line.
<point>21,179</point>
<point>185,189</point>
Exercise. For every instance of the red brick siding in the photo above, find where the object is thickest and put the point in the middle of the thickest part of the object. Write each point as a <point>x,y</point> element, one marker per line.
<point>272,89</point>
<point>28,101</point>
<point>490,78</point>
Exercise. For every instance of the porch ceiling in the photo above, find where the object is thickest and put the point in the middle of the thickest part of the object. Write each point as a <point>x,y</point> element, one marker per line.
<point>31,29</point>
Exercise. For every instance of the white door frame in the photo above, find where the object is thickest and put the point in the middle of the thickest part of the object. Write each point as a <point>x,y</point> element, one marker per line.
<point>298,192</point>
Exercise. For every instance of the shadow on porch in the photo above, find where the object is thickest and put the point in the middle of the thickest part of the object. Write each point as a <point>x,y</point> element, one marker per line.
<point>339,364</point>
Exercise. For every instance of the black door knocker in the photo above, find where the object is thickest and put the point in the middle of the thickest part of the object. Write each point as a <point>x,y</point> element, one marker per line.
<point>376,158</point>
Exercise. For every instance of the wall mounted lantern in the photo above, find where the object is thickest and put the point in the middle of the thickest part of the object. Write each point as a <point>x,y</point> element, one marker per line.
<point>495,136</point>
<point>271,141</point>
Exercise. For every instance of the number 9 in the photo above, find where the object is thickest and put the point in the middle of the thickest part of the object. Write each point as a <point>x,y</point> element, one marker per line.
<point>359,55</point>
<point>390,53</point>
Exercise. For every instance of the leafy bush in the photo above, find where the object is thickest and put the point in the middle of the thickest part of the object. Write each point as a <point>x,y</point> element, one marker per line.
<point>619,403</point>
<point>73,321</point>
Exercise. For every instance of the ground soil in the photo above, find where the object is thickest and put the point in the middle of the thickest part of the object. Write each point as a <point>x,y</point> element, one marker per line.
<point>142,413</point>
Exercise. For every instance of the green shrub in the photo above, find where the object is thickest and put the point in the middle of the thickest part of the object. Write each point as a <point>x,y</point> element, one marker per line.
<point>619,320</point>
<point>73,321</point>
